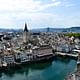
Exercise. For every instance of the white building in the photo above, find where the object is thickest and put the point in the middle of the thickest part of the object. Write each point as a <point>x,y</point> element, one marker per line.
<point>26,57</point>
<point>9,59</point>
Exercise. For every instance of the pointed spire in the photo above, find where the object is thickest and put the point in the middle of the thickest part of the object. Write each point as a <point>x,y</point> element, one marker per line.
<point>26,29</point>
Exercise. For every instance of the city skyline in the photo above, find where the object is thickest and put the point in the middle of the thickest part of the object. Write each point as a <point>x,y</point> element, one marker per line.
<point>39,13</point>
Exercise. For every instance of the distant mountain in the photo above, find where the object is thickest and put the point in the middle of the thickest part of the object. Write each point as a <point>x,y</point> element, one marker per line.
<point>48,30</point>
<point>72,29</point>
<point>10,30</point>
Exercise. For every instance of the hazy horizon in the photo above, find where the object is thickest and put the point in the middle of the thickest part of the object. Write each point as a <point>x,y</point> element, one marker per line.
<point>39,13</point>
<point>40,28</point>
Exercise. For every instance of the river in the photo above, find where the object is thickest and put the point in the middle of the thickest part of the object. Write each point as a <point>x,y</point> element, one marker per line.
<point>57,69</point>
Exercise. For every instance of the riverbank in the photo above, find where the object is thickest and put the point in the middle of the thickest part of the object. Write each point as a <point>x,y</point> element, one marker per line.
<point>57,69</point>
<point>75,75</point>
<point>40,59</point>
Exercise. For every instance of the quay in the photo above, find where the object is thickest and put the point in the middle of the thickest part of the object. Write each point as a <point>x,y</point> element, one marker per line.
<point>78,51</point>
<point>78,62</point>
<point>25,57</point>
<point>75,75</point>
<point>44,59</point>
<point>67,54</point>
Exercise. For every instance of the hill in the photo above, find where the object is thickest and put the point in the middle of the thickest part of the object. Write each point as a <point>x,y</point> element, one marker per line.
<point>72,29</point>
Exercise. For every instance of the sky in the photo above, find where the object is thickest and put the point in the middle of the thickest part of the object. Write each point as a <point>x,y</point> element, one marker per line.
<point>39,13</point>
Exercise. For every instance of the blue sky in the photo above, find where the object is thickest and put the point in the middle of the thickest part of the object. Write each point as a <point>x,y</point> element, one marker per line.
<point>39,13</point>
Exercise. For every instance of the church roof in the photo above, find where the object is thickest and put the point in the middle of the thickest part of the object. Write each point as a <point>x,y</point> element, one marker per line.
<point>26,29</point>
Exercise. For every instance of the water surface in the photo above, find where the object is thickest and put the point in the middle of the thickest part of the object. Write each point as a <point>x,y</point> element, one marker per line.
<point>57,69</point>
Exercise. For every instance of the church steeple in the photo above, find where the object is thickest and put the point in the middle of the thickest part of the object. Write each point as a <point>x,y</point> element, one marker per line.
<point>26,29</point>
<point>26,35</point>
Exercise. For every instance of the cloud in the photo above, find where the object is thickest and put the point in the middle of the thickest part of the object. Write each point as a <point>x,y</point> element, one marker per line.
<point>53,0</point>
<point>24,5</point>
<point>14,13</point>
<point>69,5</point>
<point>37,19</point>
<point>18,5</point>
<point>52,4</point>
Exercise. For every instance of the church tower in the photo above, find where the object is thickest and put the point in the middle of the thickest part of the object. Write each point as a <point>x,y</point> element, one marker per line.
<point>25,34</point>
<point>25,29</point>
